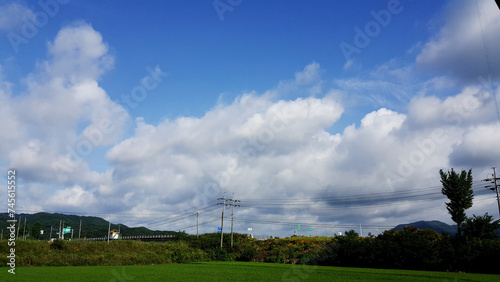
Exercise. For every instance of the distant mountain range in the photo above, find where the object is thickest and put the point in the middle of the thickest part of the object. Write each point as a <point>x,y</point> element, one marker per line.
<point>436,225</point>
<point>91,226</point>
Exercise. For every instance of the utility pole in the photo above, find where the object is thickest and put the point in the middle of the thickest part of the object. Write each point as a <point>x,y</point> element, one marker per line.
<point>494,187</point>
<point>50,236</point>
<point>232,216</point>
<point>18,227</point>
<point>197,224</point>
<point>222,220</point>
<point>24,229</point>
<point>62,230</point>
<point>109,229</point>
<point>80,230</point>
<point>60,222</point>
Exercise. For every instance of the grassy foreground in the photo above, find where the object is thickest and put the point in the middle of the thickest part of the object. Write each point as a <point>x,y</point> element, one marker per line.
<point>230,271</point>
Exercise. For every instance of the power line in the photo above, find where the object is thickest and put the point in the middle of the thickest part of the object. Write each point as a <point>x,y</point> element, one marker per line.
<point>202,223</point>
<point>197,214</point>
<point>494,187</point>
<point>407,198</point>
<point>233,201</point>
<point>222,218</point>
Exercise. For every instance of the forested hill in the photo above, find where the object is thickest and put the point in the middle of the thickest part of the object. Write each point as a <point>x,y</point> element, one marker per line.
<point>438,226</point>
<point>91,226</point>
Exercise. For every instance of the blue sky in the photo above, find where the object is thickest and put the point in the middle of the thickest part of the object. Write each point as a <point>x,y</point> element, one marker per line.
<point>256,98</point>
<point>255,46</point>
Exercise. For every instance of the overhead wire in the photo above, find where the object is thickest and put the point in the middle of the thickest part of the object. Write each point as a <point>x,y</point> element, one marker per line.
<point>384,199</point>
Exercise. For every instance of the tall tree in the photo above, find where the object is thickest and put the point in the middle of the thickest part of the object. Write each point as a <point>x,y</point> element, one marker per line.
<point>458,189</point>
<point>482,227</point>
<point>35,230</point>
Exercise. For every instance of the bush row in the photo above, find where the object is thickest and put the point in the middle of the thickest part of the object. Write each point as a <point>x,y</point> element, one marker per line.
<point>422,250</point>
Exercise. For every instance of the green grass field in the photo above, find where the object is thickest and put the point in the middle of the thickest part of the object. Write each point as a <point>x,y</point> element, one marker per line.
<point>230,271</point>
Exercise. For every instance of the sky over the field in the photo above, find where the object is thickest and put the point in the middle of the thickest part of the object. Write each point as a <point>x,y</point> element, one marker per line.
<point>331,114</point>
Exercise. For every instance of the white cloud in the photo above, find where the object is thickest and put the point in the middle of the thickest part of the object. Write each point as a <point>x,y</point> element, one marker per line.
<point>78,48</point>
<point>306,81</point>
<point>480,147</point>
<point>12,16</point>
<point>73,197</point>
<point>234,148</point>
<point>466,45</point>
<point>374,92</point>
<point>61,117</point>
<point>9,126</point>
<point>471,106</point>
<point>186,151</point>
<point>260,146</point>
<point>308,75</point>
<point>470,121</point>
<point>348,64</point>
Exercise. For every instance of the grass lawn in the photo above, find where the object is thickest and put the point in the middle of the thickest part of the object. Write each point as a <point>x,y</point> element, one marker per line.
<point>229,271</point>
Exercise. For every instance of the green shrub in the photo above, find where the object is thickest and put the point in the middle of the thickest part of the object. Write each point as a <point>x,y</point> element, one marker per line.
<point>423,250</point>
<point>58,245</point>
<point>221,254</point>
<point>249,253</point>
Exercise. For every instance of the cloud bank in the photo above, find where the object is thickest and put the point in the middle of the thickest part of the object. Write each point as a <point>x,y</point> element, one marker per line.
<point>279,156</point>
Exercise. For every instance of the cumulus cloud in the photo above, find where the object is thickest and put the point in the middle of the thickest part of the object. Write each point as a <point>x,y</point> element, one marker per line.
<point>9,125</point>
<point>72,197</point>
<point>465,46</point>
<point>261,148</point>
<point>61,116</point>
<point>229,145</point>
<point>274,152</point>
<point>12,16</point>
<point>308,75</point>
<point>471,106</point>
<point>307,81</point>
<point>479,147</point>
<point>78,48</point>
